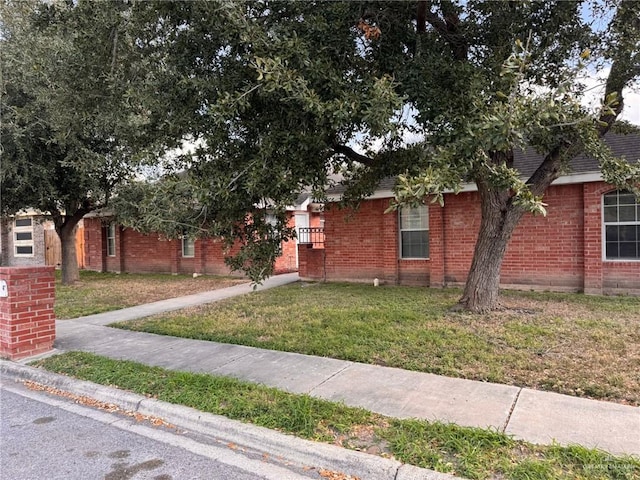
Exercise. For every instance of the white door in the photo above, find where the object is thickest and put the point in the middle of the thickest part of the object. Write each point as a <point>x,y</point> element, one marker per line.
<point>302,221</point>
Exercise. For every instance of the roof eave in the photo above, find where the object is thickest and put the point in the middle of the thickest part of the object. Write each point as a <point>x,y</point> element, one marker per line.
<point>573,178</point>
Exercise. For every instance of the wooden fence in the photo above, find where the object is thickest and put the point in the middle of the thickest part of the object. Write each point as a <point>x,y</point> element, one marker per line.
<point>53,249</point>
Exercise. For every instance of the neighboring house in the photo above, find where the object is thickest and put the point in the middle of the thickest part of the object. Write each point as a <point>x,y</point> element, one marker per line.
<point>22,239</point>
<point>589,241</point>
<point>29,238</point>
<point>111,248</point>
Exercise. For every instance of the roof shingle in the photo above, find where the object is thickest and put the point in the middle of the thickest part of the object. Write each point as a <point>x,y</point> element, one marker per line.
<point>527,162</point>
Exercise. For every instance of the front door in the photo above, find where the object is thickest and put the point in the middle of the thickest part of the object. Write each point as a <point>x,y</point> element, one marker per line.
<point>302,221</point>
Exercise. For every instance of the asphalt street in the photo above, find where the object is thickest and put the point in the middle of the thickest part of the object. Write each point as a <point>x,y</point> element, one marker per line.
<point>45,436</point>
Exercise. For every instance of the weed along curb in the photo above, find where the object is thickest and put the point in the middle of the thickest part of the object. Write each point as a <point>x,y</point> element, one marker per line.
<point>299,452</point>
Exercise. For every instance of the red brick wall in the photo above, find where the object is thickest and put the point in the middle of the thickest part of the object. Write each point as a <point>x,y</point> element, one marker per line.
<point>27,320</point>
<point>555,241</point>
<point>356,243</point>
<point>94,245</point>
<point>286,262</point>
<point>311,262</point>
<point>561,251</point>
<point>142,253</point>
<point>461,218</point>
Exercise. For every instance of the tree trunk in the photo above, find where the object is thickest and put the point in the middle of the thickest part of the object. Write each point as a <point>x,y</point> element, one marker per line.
<point>499,219</point>
<point>67,234</point>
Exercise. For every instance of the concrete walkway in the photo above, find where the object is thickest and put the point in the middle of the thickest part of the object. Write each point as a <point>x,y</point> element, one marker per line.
<point>539,417</point>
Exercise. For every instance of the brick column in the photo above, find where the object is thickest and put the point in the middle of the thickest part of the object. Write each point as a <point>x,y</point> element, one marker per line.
<point>436,245</point>
<point>592,197</point>
<point>310,262</point>
<point>176,254</point>
<point>27,321</point>
<point>389,236</point>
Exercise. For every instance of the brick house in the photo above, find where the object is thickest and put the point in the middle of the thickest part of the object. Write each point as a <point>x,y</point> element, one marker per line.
<point>108,247</point>
<point>589,241</point>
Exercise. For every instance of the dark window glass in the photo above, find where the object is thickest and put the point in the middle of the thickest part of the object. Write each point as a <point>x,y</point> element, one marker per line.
<point>24,250</point>
<point>23,222</point>
<point>627,233</point>
<point>611,214</point>
<point>626,199</point>
<point>415,244</point>
<point>627,213</point>
<point>23,236</point>
<point>628,250</point>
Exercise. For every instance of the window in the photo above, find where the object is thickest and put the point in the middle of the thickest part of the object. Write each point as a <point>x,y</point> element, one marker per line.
<point>621,218</point>
<point>23,237</point>
<point>188,247</point>
<point>111,240</point>
<point>414,232</point>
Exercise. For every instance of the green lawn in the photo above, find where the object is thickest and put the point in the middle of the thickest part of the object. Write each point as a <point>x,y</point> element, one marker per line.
<point>100,292</point>
<point>568,343</point>
<point>469,452</point>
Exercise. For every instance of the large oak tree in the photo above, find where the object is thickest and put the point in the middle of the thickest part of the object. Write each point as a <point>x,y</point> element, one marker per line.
<point>66,115</point>
<point>277,94</point>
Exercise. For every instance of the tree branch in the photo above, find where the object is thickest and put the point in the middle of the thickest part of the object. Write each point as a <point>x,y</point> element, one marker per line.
<point>114,50</point>
<point>447,27</point>
<point>616,81</point>
<point>547,172</point>
<point>353,155</point>
<point>421,16</point>
<point>626,61</point>
<point>625,67</point>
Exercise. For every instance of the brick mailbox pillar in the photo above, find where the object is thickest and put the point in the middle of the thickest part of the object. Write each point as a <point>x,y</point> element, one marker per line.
<point>27,321</point>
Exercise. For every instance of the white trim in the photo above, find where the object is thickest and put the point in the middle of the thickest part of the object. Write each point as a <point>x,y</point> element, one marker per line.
<point>111,227</point>
<point>297,226</point>
<point>192,242</point>
<point>401,230</point>
<point>299,207</point>
<point>603,233</point>
<point>587,177</point>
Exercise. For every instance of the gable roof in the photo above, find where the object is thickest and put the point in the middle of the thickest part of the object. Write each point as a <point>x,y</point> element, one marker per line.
<point>622,145</point>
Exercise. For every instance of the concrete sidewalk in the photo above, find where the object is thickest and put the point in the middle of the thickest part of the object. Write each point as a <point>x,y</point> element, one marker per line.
<point>535,416</point>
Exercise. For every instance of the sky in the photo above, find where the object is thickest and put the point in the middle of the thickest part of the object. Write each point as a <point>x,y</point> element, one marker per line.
<point>631,110</point>
<point>631,96</point>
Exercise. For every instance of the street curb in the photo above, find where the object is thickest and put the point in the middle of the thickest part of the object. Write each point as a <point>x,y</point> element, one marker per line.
<point>298,451</point>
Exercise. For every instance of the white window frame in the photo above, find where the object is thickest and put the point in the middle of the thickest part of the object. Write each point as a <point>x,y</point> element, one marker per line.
<point>605,224</point>
<point>188,243</point>
<point>424,211</point>
<point>111,240</point>
<point>23,243</point>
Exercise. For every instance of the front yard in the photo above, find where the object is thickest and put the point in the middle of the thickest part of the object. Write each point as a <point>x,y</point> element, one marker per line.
<point>100,292</point>
<point>579,345</point>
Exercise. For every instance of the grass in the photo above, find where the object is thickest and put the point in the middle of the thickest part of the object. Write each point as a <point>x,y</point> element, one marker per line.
<point>568,343</point>
<point>98,292</point>
<point>469,452</point>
